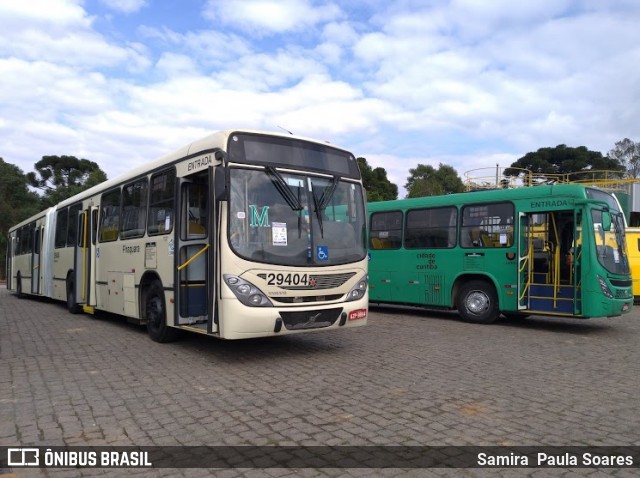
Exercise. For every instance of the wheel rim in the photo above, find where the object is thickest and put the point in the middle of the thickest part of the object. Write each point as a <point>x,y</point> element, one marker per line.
<point>477,302</point>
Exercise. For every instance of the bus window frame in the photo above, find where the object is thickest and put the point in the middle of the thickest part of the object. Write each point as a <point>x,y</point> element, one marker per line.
<point>116,192</point>
<point>484,240</point>
<point>384,242</point>
<point>447,229</point>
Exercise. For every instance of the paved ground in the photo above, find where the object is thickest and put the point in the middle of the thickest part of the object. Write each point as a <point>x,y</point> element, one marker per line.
<point>408,378</point>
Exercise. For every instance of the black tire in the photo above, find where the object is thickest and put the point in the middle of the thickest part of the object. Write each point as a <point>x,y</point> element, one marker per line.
<point>72,305</point>
<point>478,302</point>
<point>19,293</point>
<point>156,315</point>
<point>515,316</point>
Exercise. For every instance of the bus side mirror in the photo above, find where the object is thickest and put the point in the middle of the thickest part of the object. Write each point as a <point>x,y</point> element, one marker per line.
<point>606,221</point>
<point>220,183</point>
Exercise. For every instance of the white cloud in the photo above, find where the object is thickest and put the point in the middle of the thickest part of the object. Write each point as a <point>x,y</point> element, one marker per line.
<point>44,90</point>
<point>318,106</point>
<point>209,47</point>
<point>125,6</point>
<point>80,48</point>
<point>270,16</point>
<point>465,83</point>
<point>43,12</point>
<point>526,73</point>
<point>339,33</point>
<point>174,64</point>
<point>264,72</point>
<point>61,32</point>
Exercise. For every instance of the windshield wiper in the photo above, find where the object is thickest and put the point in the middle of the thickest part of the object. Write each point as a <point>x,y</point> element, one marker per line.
<point>283,188</point>
<point>321,204</point>
<point>327,194</point>
<point>318,210</point>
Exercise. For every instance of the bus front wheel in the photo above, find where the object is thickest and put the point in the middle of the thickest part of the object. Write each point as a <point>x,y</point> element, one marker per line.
<point>156,315</point>
<point>478,302</point>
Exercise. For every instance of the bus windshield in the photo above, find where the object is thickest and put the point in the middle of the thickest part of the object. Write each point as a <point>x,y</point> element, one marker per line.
<point>610,244</point>
<point>294,219</point>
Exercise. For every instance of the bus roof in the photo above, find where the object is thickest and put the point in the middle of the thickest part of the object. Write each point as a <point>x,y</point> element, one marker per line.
<point>208,143</point>
<point>35,217</point>
<point>485,195</point>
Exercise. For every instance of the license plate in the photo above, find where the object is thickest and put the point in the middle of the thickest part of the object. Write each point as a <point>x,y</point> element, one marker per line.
<point>357,314</point>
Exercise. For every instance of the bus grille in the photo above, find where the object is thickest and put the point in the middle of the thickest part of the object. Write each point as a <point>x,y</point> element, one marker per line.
<point>318,281</point>
<point>310,319</point>
<point>622,294</point>
<point>304,299</point>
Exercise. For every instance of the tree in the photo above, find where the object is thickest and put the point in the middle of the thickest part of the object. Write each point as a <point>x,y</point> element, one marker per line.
<point>16,203</point>
<point>375,181</point>
<point>628,153</point>
<point>60,177</point>
<point>554,162</point>
<point>425,180</point>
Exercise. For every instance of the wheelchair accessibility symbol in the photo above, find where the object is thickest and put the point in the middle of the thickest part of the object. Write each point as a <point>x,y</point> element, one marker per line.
<point>322,253</point>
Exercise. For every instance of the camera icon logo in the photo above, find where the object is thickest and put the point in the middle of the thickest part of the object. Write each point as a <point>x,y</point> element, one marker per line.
<point>23,457</point>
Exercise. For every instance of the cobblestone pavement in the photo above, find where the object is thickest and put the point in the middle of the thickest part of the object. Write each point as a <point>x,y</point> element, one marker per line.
<point>409,378</point>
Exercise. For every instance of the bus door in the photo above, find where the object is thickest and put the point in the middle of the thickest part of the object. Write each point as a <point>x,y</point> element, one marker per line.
<point>548,275</point>
<point>525,259</point>
<point>574,260</point>
<point>36,259</point>
<point>195,254</point>
<point>11,247</point>
<point>85,252</point>
<point>566,283</point>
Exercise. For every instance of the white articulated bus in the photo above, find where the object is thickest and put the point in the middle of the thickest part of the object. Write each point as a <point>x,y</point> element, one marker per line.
<point>240,234</point>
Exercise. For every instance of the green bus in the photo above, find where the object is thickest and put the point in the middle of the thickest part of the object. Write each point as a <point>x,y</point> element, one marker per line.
<point>555,250</point>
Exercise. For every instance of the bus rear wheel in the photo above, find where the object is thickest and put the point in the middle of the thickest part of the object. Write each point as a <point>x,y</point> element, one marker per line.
<point>72,305</point>
<point>19,293</point>
<point>156,315</point>
<point>478,302</point>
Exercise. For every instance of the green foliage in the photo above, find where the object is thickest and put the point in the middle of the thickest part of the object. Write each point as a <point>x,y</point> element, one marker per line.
<point>627,152</point>
<point>564,159</point>
<point>378,186</point>
<point>425,180</point>
<point>60,177</point>
<point>16,203</point>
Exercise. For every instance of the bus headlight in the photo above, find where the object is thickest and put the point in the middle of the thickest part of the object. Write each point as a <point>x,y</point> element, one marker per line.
<point>605,288</point>
<point>246,292</point>
<point>358,291</point>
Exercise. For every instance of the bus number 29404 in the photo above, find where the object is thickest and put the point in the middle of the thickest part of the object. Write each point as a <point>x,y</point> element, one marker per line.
<point>287,279</point>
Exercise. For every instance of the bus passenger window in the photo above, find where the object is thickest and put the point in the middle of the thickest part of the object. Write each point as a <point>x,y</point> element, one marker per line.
<point>161,202</point>
<point>110,216</point>
<point>431,228</point>
<point>195,206</point>
<point>487,225</point>
<point>134,209</point>
<point>386,230</point>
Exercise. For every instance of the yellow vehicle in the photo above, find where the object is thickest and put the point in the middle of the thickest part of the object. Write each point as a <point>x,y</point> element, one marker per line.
<point>633,246</point>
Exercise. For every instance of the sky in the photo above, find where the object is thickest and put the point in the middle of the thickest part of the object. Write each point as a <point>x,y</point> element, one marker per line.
<point>468,83</point>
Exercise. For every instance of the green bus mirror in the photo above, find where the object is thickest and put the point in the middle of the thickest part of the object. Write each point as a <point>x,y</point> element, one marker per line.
<point>606,220</point>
